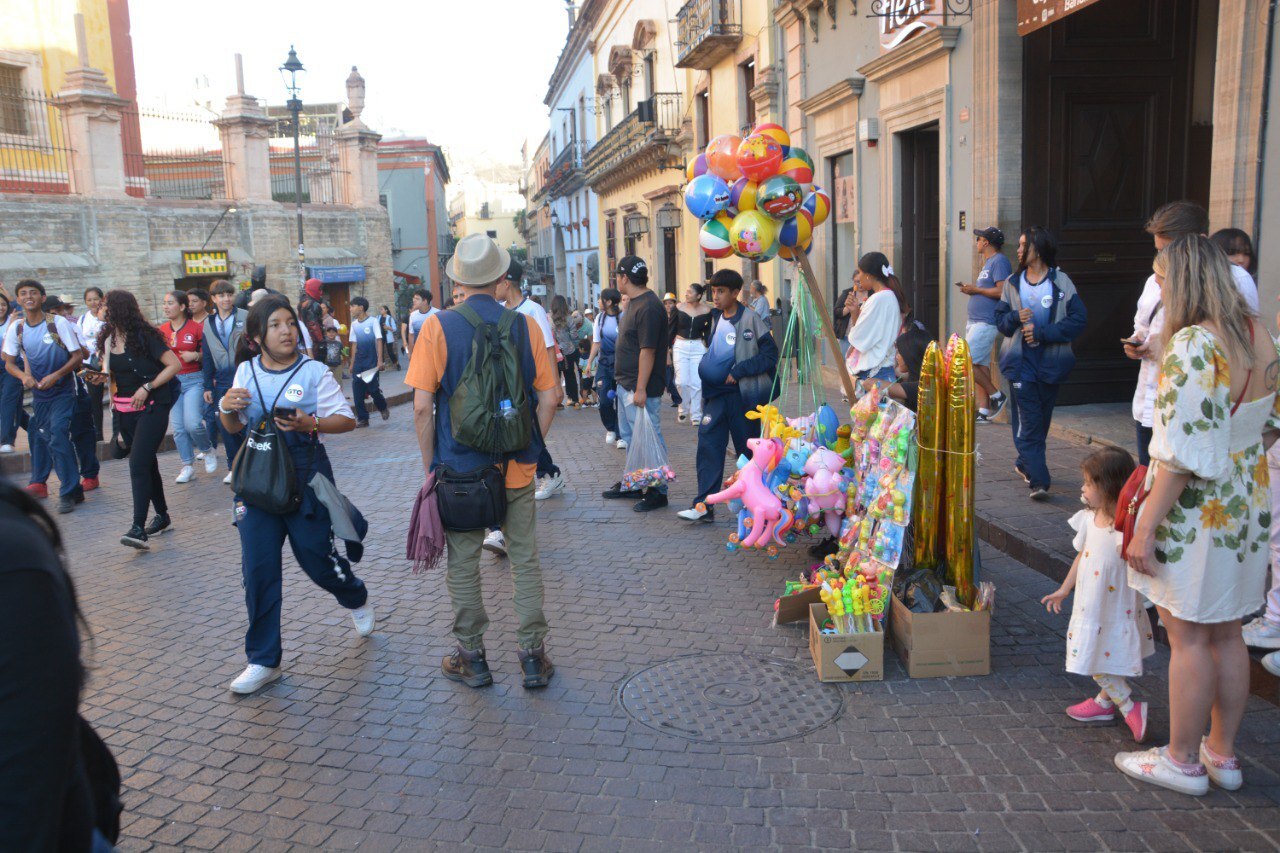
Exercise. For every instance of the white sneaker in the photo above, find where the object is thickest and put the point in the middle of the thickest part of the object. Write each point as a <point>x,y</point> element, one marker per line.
<point>692,514</point>
<point>1271,663</point>
<point>1223,772</point>
<point>254,678</point>
<point>227,479</point>
<point>210,462</point>
<point>622,444</point>
<point>550,484</point>
<point>495,542</point>
<point>363,619</point>
<point>186,475</point>
<point>6,448</point>
<point>1261,633</point>
<point>609,438</point>
<point>200,456</point>
<point>1154,766</point>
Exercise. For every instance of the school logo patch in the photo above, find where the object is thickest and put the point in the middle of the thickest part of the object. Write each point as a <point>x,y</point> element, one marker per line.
<point>1047,300</point>
<point>748,334</point>
<point>48,338</point>
<point>293,393</point>
<point>731,339</point>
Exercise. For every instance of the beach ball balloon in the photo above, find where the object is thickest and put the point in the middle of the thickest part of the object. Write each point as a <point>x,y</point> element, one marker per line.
<point>754,236</point>
<point>775,131</point>
<point>721,153</point>
<point>779,197</point>
<point>697,166</point>
<point>742,196</point>
<point>713,238</point>
<point>799,167</point>
<point>797,230</point>
<point>706,195</point>
<point>788,253</point>
<point>818,204</point>
<point>759,157</point>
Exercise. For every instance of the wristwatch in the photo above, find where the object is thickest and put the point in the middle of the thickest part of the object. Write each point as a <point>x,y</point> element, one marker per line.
<point>147,387</point>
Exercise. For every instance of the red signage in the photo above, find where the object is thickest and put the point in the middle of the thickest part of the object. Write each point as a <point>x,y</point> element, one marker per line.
<point>1035,14</point>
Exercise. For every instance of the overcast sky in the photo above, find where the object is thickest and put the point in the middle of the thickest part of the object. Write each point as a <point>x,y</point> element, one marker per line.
<point>467,75</point>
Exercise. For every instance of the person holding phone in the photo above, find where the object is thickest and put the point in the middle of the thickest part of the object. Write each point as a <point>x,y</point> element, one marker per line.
<point>980,329</point>
<point>305,402</point>
<point>137,366</point>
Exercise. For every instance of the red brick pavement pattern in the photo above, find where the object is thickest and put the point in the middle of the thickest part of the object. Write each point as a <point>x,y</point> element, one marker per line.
<point>363,744</point>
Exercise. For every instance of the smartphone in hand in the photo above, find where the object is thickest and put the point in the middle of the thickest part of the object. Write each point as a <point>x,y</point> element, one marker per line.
<point>284,413</point>
<point>1132,342</point>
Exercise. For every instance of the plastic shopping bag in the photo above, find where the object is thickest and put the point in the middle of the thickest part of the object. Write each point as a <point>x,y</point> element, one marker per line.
<point>646,456</point>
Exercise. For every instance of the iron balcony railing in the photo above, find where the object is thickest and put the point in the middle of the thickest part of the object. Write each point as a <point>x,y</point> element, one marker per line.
<point>564,176</point>
<point>653,121</point>
<point>707,31</point>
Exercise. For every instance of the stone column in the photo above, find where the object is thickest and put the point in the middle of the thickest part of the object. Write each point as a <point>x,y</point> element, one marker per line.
<point>246,158</point>
<point>357,150</point>
<point>92,113</point>
<point>1237,109</point>
<point>997,111</point>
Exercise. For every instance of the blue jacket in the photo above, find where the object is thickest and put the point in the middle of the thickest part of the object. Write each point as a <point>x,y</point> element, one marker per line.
<point>1052,361</point>
<point>755,359</point>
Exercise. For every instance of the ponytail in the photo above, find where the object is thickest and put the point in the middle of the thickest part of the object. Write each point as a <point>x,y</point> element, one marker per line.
<point>876,265</point>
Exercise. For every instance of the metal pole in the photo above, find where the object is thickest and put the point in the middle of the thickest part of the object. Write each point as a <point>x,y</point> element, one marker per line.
<point>295,107</point>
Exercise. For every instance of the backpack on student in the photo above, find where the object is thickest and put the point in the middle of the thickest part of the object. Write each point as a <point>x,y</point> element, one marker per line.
<point>490,408</point>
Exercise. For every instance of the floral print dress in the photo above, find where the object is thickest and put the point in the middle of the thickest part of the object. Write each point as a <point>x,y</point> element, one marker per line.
<point>1211,549</point>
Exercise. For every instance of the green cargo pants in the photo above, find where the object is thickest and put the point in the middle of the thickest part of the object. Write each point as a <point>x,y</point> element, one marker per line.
<point>463,576</point>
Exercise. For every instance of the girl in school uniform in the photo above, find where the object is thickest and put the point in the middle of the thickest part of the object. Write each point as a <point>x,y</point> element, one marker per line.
<point>272,375</point>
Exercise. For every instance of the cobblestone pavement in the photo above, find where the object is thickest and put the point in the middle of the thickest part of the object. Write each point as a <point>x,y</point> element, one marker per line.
<point>363,744</point>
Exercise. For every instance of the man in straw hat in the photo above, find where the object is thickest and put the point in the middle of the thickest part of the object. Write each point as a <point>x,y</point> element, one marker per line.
<point>442,352</point>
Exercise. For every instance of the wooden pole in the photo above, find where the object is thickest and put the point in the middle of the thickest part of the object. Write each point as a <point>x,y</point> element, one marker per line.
<point>811,281</point>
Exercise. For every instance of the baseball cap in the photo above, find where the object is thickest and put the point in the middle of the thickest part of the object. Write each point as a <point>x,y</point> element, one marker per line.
<point>515,271</point>
<point>634,267</point>
<point>994,236</point>
<point>669,297</point>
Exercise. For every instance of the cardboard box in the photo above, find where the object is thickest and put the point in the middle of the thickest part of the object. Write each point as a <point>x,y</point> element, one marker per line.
<point>935,645</point>
<point>795,608</point>
<point>844,657</point>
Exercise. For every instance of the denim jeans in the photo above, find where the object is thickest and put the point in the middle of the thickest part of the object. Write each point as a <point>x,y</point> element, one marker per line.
<point>51,443</point>
<point>627,419</point>
<point>607,391</point>
<point>230,440</point>
<point>186,418</point>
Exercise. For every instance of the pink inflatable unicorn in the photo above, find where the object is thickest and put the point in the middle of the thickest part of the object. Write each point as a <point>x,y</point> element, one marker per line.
<point>750,488</point>
<point>824,487</point>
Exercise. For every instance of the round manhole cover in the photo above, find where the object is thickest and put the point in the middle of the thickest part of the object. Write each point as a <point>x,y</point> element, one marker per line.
<point>730,699</point>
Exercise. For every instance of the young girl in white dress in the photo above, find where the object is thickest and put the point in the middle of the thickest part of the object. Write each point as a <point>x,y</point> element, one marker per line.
<point>1110,632</point>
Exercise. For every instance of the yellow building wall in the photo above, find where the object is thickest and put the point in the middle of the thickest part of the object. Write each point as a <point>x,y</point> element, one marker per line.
<point>47,28</point>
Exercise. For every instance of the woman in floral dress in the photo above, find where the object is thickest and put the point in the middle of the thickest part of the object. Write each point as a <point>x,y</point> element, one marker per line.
<point>1199,550</point>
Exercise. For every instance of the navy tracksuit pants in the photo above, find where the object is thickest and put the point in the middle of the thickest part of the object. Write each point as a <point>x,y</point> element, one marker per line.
<point>1030,416</point>
<point>262,538</point>
<point>724,417</point>
<point>361,389</point>
<point>607,392</point>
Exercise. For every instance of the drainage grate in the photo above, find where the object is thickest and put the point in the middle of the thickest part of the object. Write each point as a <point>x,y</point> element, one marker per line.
<point>730,699</point>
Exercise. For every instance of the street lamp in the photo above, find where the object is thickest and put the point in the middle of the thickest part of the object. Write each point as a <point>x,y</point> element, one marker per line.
<point>289,74</point>
<point>229,209</point>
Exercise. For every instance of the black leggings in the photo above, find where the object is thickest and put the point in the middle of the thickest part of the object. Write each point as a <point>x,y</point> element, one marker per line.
<point>569,370</point>
<point>143,431</point>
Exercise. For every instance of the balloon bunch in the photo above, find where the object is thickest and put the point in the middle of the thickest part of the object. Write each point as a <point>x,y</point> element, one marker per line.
<point>755,196</point>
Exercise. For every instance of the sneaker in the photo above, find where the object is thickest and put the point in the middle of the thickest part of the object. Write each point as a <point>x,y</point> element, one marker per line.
<point>653,499</point>
<point>612,494</point>
<point>200,456</point>
<point>363,619</point>
<point>495,542</point>
<point>67,503</point>
<point>6,448</point>
<point>537,667</point>
<point>254,678</point>
<point>1223,772</point>
<point>996,404</point>
<point>386,414</point>
<point>1039,493</point>
<point>1155,766</point>
<point>361,424</point>
<point>701,512</point>
<point>1136,720</point>
<point>37,490</point>
<point>622,444</point>
<point>610,437</point>
<point>681,417</point>
<point>227,479</point>
<point>1017,469</point>
<point>549,485</point>
<point>1271,663</point>
<point>88,484</point>
<point>984,417</point>
<point>159,524</point>
<point>210,462</point>
<point>467,666</point>
<point>186,475</point>
<point>136,538</point>
<point>1261,633</point>
<point>1092,711</point>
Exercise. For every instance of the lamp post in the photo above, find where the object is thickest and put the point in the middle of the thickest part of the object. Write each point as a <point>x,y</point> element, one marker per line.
<point>289,74</point>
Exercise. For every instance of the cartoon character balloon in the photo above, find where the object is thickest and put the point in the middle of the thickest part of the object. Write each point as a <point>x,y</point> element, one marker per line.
<point>697,166</point>
<point>776,132</point>
<point>779,197</point>
<point>713,238</point>
<point>819,205</point>
<point>759,157</point>
<point>742,196</point>
<point>706,195</point>
<point>754,236</point>
<point>721,157</point>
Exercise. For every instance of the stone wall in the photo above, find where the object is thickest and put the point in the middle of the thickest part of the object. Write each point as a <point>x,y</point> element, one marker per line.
<point>70,243</point>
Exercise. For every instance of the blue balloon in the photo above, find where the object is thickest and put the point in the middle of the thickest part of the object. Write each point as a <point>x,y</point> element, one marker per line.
<point>706,195</point>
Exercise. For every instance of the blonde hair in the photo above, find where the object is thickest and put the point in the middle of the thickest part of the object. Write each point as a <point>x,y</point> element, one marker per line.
<point>1160,266</point>
<point>1199,287</point>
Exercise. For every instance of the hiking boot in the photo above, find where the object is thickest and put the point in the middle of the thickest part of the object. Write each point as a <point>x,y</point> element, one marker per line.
<point>158,524</point>
<point>616,492</point>
<point>537,667</point>
<point>653,499</point>
<point>467,666</point>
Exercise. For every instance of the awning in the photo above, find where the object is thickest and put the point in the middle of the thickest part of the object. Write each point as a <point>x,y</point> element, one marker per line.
<point>1037,14</point>
<point>411,279</point>
<point>25,262</point>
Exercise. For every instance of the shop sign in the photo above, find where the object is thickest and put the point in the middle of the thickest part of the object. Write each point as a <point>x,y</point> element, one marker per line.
<point>201,262</point>
<point>1035,14</point>
<point>902,19</point>
<point>845,200</point>
<point>339,275</point>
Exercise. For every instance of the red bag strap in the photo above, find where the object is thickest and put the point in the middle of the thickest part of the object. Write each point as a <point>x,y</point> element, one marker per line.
<point>1247,377</point>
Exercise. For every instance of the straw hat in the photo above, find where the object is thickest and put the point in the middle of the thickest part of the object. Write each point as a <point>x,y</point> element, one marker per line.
<point>478,261</point>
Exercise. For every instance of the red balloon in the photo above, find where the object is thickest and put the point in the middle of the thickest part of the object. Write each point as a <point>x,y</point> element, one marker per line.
<point>759,157</point>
